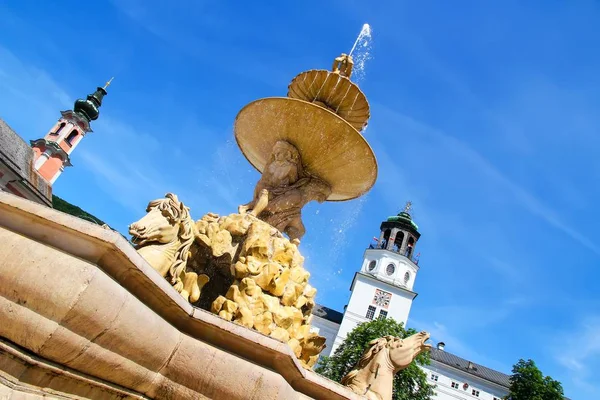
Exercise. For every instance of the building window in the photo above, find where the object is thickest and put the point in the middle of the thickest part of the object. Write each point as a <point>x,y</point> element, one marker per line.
<point>370,312</point>
<point>475,393</point>
<point>382,314</point>
<point>454,385</point>
<point>434,377</point>
<point>71,137</point>
<point>406,277</point>
<point>60,127</point>
<point>372,265</point>
<point>391,268</point>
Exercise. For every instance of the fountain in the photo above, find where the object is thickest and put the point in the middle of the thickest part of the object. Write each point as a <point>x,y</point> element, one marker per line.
<point>214,308</point>
<point>241,266</point>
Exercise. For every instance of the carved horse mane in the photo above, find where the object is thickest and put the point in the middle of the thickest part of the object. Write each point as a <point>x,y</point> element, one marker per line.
<point>177,213</point>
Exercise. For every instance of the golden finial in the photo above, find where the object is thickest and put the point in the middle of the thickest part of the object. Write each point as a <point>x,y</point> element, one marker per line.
<point>108,83</point>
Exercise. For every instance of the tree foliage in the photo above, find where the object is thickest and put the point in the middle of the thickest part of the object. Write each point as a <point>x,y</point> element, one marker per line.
<point>528,383</point>
<point>409,384</point>
<point>68,208</point>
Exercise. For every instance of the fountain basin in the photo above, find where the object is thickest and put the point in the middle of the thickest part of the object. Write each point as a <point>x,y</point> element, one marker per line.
<point>84,316</point>
<point>338,93</point>
<point>330,147</point>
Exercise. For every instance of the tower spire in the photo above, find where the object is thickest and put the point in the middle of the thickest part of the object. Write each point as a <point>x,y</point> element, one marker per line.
<point>107,84</point>
<point>52,152</point>
<point>89,108</point>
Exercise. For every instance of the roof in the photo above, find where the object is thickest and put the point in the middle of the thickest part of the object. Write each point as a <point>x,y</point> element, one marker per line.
<point>327,313</point>
<point>477,370</point>
<point>18,157</point>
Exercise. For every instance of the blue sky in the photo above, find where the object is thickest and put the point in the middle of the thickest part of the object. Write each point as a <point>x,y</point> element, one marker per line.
<point>484,114</point>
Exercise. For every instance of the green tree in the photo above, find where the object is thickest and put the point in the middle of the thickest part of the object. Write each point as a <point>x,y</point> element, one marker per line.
<point>409,384</point>
<point>528,383</point>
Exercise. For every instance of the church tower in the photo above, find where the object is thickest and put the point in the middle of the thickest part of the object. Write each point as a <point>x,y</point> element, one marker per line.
<point>51,153</point>
<point>383,288</point>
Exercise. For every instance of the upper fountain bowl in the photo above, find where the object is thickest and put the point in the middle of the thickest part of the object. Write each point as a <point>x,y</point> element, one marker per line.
<point>330,147</point>
<point>333,91</point>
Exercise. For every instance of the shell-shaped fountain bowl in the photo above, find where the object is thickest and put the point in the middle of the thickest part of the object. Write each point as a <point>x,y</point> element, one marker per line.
<point>335,93</point>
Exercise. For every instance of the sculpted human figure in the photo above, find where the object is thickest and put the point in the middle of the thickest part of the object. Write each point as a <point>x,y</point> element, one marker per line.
<point>285,211</point>
<point>283,189</point>
<point>282,170</point>
<point>343,65</point>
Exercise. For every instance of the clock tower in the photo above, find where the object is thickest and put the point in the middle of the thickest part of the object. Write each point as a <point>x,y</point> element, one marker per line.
<point>383,288</point>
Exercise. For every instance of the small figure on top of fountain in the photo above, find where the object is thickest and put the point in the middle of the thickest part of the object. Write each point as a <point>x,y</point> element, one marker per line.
<point>283,189</point>
<point>343,65</point>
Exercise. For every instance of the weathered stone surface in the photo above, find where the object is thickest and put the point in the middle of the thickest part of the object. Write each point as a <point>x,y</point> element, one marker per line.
<point>85,307</point>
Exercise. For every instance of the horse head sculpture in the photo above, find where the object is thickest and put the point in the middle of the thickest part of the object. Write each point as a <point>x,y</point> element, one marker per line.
<point>373,375</point>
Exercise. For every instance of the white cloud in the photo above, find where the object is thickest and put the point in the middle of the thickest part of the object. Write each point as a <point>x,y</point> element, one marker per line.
<point>578,351</point>
<point>482,167</point>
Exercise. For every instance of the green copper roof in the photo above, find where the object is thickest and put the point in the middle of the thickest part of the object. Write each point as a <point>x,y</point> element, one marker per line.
<point>403,217</point>
<point>89,108</point>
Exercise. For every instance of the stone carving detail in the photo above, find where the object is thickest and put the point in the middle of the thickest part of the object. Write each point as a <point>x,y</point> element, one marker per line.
<point>283,190</point>
<point>164,237</point>
<point>373,375</point>
<point>343,65</point>
<point>257,278</point>
<point>270,291</point>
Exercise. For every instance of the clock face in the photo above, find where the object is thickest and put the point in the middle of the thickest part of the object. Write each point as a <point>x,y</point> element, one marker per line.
<point>381,298</point>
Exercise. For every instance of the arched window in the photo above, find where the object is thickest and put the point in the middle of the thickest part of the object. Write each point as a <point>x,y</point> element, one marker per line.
<point>60,128</point>
<point>386,238</point>
<point>410,247</point>
<point>71,137</point>
<point>398,241</point>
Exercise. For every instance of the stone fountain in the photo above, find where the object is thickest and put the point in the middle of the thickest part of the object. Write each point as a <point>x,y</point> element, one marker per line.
<point>214,308</point>
<point>307,147</point>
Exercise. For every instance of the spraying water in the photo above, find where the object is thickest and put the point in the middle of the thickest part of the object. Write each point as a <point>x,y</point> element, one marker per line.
<point>362,46</point>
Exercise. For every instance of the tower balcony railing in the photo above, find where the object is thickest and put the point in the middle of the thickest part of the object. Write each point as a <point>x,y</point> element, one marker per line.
<point>408,252</point>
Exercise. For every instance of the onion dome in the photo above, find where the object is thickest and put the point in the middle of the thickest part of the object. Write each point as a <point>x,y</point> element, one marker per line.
<point>89,108</point>
<point>403,220</point>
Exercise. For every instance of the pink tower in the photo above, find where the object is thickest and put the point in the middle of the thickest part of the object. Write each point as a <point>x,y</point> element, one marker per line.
<point>52,152</point>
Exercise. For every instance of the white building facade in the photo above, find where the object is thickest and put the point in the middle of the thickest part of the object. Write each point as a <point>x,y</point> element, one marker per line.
<point>383,288</point>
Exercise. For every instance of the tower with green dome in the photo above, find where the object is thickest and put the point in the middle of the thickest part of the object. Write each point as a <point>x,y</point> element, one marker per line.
<point>383,287</point>
<point>399,233</point>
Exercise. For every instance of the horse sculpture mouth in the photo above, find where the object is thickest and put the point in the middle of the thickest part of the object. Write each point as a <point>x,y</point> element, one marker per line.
<point>139,237</point>
<point>425,338</point>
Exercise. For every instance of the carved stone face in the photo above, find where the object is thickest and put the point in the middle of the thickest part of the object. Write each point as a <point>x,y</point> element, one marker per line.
<point>283,151</point>
<point>153,227</point>
<point>403,351</point>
